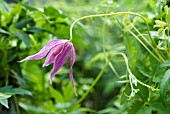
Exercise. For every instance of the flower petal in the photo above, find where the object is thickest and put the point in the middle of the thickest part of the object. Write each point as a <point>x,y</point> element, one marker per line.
<point>60,59</point>
<point>52,54</point>
<point>43,52</point>
<point>72,60</point>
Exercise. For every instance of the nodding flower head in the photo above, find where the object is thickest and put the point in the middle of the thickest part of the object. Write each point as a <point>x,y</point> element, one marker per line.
<point>57,52</point>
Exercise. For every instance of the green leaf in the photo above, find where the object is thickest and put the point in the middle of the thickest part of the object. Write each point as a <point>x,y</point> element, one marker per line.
<point>14,91</point>
<point>131,48</point>
<point>52,12</point>
<point>159,6</point>
<point>56,95</point>
<point>144,110</point>
<point>126,91</point>
<point>23,23</point>
<point>35,30</point>
<point>23,36</point>
<point>15,13</point>
<point>17,91</point>
<point>29,7</point>
<point>16,67</point>
<point>5,88</point>
<point>20,81</point>
<point>4,96</point>
<point>4,102</point>
<point>4,31</point>
<point>32,108</point>
<point>4,6</point>
<point>68,92</point>
<point>166,63</point>
<point>144,93</point>
<point>3,99</point>
<point>143,69</point>
<point>108,111</point>
<point>126,20</point>
<point>164,86</point>
<point>135,106</point>
<point>159,108</point>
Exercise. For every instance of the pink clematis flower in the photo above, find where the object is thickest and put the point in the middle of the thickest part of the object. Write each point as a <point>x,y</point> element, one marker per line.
<point>58,51</point>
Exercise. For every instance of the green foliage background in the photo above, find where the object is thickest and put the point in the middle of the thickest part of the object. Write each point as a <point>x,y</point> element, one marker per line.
<point>25,27</point>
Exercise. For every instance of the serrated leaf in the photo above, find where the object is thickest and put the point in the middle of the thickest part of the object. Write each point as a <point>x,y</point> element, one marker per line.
<point>68,92</point>
<point>144,110</point>
<point>4,102</point>
<point>135,106</point>
<point>164,85</point>
<point>56,95</point>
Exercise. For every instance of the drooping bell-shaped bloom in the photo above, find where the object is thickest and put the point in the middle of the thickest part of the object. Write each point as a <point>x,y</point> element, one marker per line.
<point>57,52</point>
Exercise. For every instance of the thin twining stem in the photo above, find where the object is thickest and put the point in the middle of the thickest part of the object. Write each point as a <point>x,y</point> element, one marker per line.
<point>143,37</point>
<point>131,74</point>
<point>104,50</point>
<point>146,47</point>
<point>148,42</point>
<point>110,14</point>
<point>114,70</point>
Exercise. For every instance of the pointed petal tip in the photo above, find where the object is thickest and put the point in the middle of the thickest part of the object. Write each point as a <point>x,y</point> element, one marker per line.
<point>51,81</point>
<point>21,61</point>
<point>75,91</point>
<point>44,65</point>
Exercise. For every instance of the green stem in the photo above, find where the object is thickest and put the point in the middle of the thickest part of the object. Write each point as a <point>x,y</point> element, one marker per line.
<point>110,14</point>
<point>93,84</point>
<point>168,39</point>
<point>131,76</point>
<point>103,40</point>
<point>114,70</point>
<point>144,38</point>
<point>157,52</point>
<point>16,105</point>
<point>104,50</point>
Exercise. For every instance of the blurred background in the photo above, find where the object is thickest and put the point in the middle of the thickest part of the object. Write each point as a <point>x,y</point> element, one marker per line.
<point>27,25</point>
